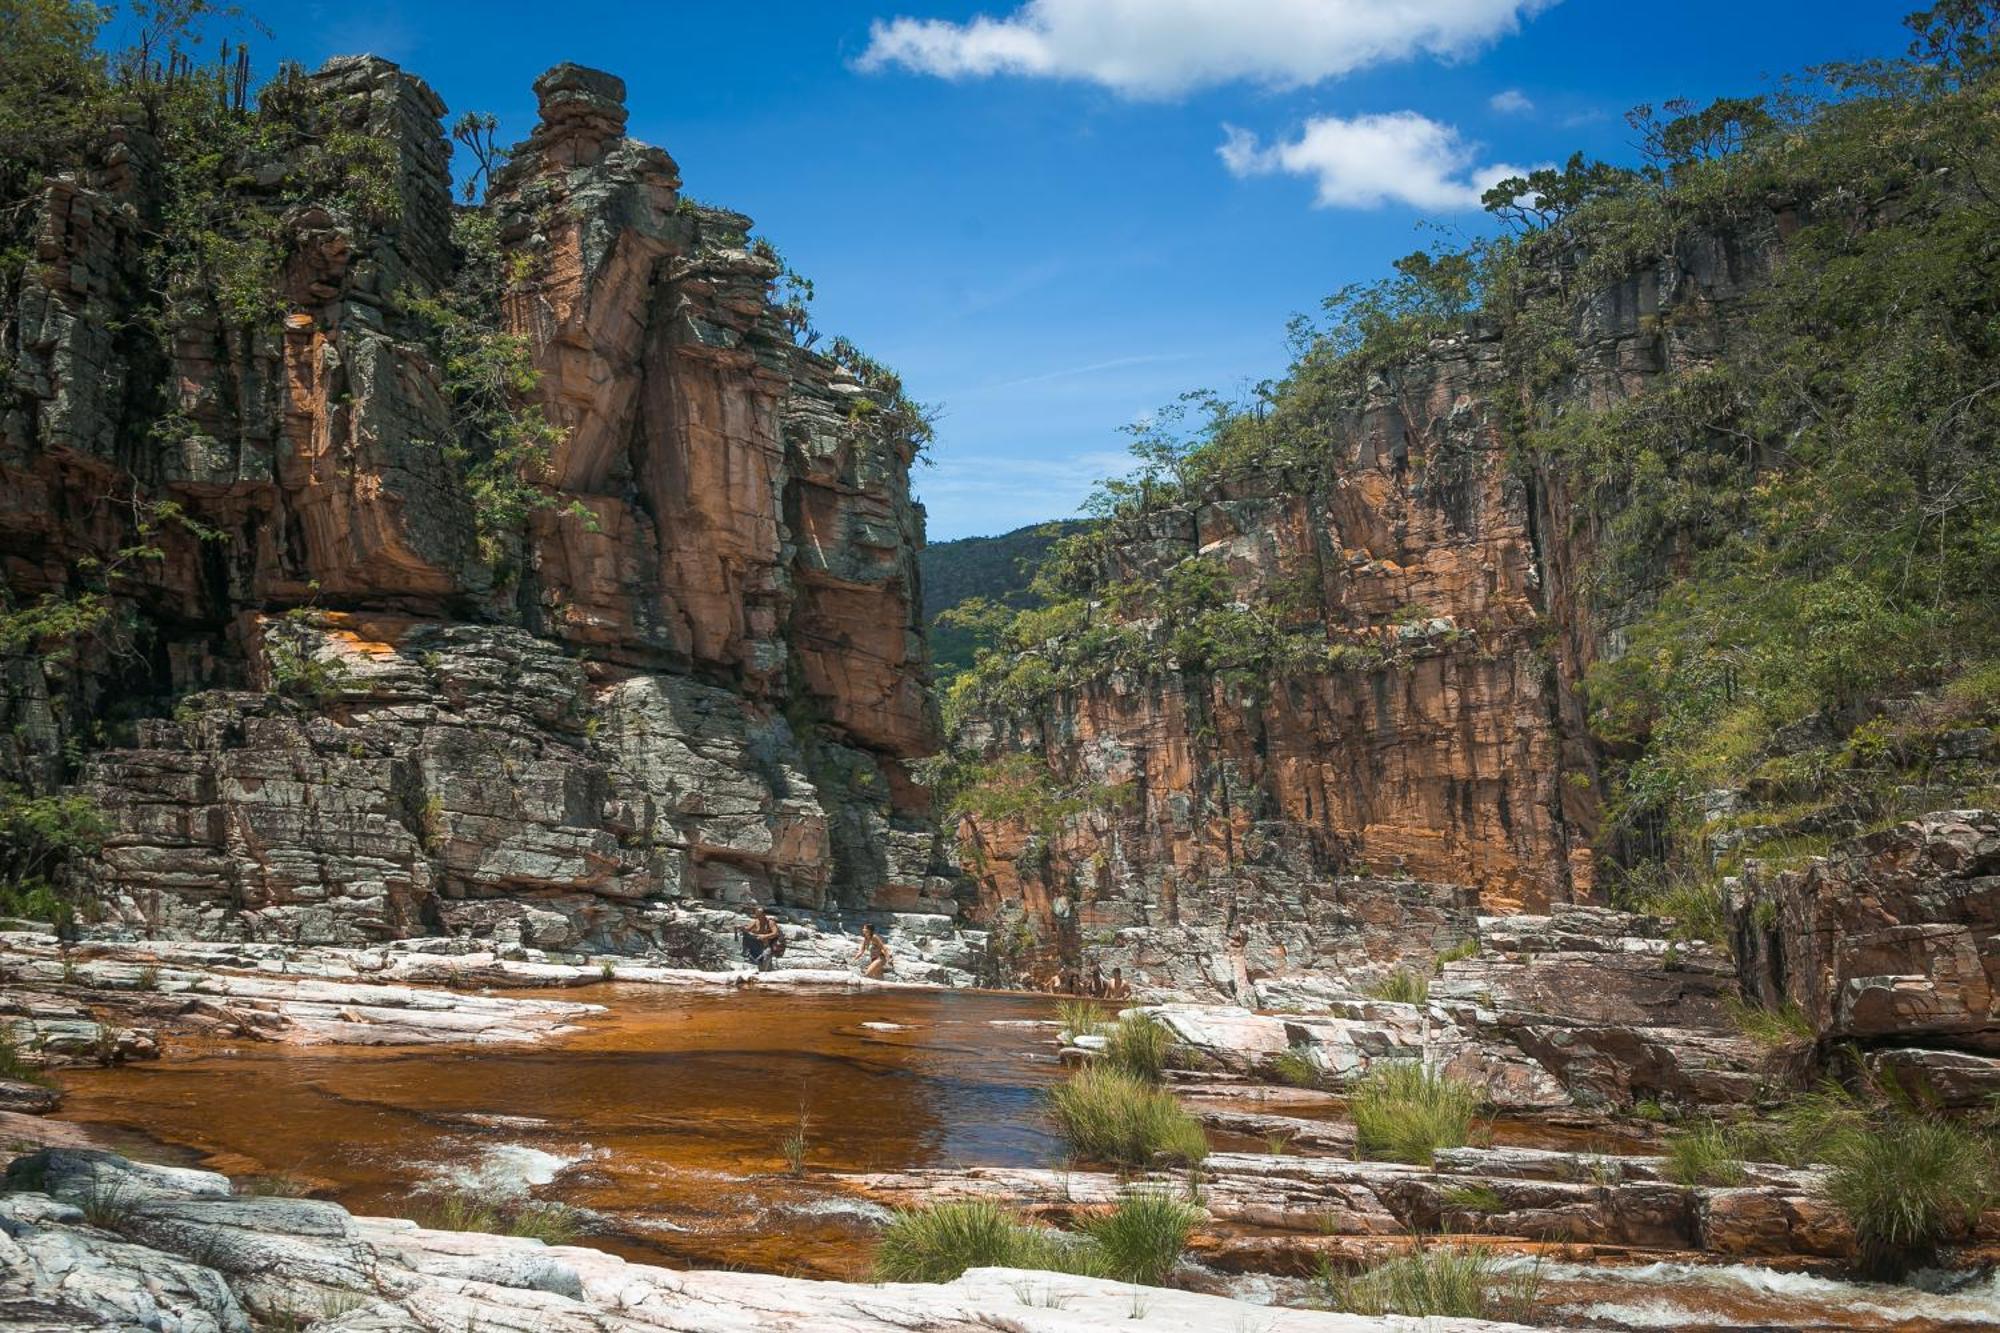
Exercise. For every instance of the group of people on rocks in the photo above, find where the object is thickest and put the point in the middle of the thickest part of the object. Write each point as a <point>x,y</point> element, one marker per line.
<point>1072,981</point>
<point>764,944</point>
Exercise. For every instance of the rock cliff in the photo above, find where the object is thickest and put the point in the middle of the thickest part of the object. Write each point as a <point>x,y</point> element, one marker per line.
<point>1414,715</point>
<point>503,570</point>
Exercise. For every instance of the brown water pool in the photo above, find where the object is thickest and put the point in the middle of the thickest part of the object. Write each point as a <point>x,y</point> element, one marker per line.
<point>664,1117</point>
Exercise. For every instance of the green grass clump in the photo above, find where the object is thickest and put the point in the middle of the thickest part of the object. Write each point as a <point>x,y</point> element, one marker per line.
<point>1703,1154</point>
<point>1081,1018</point>
<point>1403,986</point>
<point>1435,1281</point>
<point>463,1210</point>
<point>1405,1112</point>
<point>1910,1182</point>
<point>1108,1115</point>
<point>1139,1241</point>
<point>1783,1026</point>
<point>1461,950</point>
<point>1140,1046</point>
<point>14,1066</point>
<point>1295,1067</point>
<point>937,1244</point>
<point>1474,1199</point>
<point>1142,1239</point>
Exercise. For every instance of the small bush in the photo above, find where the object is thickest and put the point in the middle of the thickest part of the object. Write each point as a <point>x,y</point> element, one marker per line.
<point>1295,1067</point>
<point>1403,986</point>
<point>1405,1112</point>
<point>550,1223</point>
<point>1703,1154</point>
<point>1909,1182</point>
<point>1142,1239</point>
<point>1109,1116</point>
<point>1436,1281</point>
<point>1140,1046</point>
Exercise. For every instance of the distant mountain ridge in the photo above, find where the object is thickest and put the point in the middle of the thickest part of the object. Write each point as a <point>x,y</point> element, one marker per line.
<point>996,568</point>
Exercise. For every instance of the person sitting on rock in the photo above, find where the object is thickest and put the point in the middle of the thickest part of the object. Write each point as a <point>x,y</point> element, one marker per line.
<point>761,940</point>
<point>1118,988</point>
<point>1097,980</point>
<point>874,955</point>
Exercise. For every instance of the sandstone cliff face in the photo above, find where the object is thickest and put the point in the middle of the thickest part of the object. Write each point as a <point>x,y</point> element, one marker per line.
<point>1444,739</point>
<point>323,706</point>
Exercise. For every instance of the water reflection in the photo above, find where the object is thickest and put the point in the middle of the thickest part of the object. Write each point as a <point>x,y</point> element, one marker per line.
<point>666,1118</point>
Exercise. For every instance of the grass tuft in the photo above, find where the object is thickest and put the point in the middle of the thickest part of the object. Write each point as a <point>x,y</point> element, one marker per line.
<point>1139,1241</point>
<point>462,1210</point>
<point>1081,1018</point>
<point>1436,1281</point>
<point>1140,1046</point>
<point>1405,1112</point>
<point>1142,1239</point>
<point>1108,1115</point>
<point>1295,1067</point>
<point>1461,950</point>
<point>1703,1153</point>
<point>1475,1199</point>
<point>1909,1183</point>
<point>14,1066</point>
<point>1403,987</point>
<point>1784,1026</point>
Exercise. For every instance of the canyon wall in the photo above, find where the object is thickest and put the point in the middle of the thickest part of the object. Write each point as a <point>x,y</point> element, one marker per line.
<point>1431,760</point>
<point>324,686</point>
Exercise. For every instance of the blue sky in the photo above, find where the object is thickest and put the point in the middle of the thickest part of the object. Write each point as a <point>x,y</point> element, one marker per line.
<point>1034,218</point>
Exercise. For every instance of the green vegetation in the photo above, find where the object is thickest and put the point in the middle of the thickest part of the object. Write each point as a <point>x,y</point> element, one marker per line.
<point>795,1144</point>
<point>1404,1111</point>
<point>1909,1182</point>
<point>1107,1115</point>
<point>1081,1018</point>
<point>1139,1241</point>
<point>1765,522</point>
<point>1704,1153</point>
<point>1402,986</point>
<point>1295,1067</point>
<point>968,581</point>
<point>1140,1046</point>
<point>463,1210</point>
<point>13,1065</point>
<point>1786,1025</point>
<point>1440,1281</point>
<point>1462,950</point>
<point>1142,1238</point>
<point>1475,1199</point>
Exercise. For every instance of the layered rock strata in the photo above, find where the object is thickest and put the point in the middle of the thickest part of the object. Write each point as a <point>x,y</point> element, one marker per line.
<point>339,700</point>
<point>1436,732</point>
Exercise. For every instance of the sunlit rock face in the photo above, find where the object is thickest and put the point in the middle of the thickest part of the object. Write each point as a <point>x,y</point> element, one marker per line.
<point>333,711</point>
<point>1444,742</point>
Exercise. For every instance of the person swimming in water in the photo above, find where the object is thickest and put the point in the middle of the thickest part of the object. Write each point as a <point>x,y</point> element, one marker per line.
<point>874,954</point>
<point>1118,988</point>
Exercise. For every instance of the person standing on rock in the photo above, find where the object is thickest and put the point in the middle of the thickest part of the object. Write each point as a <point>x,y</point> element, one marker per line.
<point>761,940</point>
<point>874,955</point>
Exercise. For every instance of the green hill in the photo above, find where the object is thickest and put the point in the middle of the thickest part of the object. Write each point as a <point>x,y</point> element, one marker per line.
<point>996,568</point>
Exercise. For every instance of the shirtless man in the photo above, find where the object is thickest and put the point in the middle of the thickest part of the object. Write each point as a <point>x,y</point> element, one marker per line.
<point>1119,988</point>
<point>874,955</point>
<point>760,939</point>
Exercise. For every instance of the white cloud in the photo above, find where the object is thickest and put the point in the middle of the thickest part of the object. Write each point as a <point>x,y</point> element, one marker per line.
<point>1511,102</point>
<point>1159,48</point>
<point>1369,161</point>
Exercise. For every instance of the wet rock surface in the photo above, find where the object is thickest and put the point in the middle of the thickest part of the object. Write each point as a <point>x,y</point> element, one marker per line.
<point>94,1241</point>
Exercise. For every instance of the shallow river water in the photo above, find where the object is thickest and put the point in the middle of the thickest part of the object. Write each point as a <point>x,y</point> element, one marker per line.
<point>665,1118</point>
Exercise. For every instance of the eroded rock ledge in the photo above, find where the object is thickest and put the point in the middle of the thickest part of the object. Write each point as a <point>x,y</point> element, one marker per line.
<point>92,1241</point>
